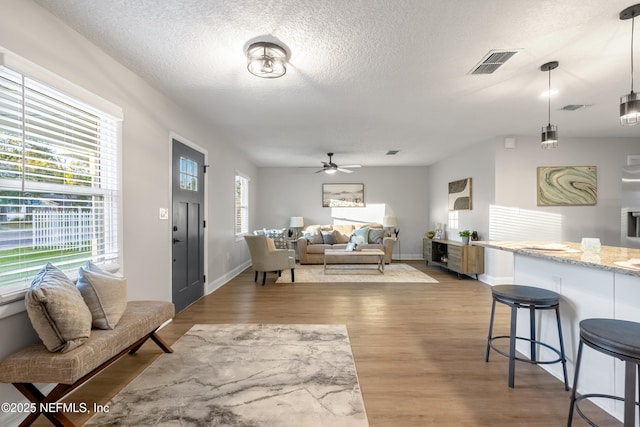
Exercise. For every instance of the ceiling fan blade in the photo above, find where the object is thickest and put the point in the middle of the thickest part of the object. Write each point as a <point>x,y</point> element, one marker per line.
<point>351,166</point>
<point>345,170</point>
<point>321,170</point>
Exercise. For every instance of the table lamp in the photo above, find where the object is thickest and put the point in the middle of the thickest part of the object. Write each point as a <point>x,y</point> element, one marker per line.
<point>296,223</point>
<point>388,222</point>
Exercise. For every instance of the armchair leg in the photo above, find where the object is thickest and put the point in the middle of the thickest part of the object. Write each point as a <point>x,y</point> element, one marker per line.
<point>293,278</point>
<point>255,276</point>
<point>264,277</point>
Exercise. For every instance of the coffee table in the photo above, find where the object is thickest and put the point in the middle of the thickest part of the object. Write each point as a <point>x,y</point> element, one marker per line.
<point>331,254</point>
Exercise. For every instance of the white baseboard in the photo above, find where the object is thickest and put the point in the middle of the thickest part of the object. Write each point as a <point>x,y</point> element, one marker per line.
<point>496,280</point>
<point>222,280</point>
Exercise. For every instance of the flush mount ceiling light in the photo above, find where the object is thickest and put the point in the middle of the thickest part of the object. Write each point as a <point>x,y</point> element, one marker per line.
<point>549,136</point>
<point>266,60</point>
<point>630,104</point>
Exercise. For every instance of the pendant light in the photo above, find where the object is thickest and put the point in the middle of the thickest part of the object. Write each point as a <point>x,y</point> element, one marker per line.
<point>630,104</point>
<point>549,136</point>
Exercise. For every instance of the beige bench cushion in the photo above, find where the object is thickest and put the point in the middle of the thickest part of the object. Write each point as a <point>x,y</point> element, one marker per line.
<point>35,364</point>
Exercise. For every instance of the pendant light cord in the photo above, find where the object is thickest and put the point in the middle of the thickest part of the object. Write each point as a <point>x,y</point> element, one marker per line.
<point>549,97</point>
<point>633,20</point>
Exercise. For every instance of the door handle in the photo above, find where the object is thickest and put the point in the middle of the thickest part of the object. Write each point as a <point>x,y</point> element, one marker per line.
<point>176,240</point>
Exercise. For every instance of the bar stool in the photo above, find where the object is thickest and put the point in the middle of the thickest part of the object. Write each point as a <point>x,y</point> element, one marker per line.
<point>617,338</point>
<point>518,296</point>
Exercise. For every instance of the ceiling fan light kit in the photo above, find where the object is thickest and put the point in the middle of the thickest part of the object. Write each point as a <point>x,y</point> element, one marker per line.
<point>549,136</point>
<point>266,60</point>
<point>331,168</point>
<point>629,104</point>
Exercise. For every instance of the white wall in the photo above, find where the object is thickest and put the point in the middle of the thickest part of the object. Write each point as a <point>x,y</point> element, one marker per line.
<point>149,118</point>
<point>476,162</point>
<point>515,177</point>
<point>506,177</point>
<point>400,191</point>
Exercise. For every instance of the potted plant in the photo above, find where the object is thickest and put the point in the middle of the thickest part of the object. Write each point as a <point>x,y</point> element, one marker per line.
<point>465,236</point>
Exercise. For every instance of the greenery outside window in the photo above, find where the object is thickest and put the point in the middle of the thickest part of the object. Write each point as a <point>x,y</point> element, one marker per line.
<point>59,182</point>
<point>241,205</point>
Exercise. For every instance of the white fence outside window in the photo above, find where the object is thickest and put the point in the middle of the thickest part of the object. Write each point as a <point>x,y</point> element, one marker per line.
<point>63,229</point>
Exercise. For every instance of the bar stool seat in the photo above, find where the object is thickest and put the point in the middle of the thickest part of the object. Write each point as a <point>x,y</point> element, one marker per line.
<point>532,298</point>
<point>616,338</point>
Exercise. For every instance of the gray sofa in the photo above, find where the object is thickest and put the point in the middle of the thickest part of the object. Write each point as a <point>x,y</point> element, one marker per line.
<point>316,238</point>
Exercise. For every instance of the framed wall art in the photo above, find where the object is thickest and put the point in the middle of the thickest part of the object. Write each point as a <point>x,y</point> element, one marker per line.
<point>460,195</point>
<point>567,186</point>
<point>343,195</point>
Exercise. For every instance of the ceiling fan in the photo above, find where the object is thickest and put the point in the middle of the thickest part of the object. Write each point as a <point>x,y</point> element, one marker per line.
<point>330,167</point>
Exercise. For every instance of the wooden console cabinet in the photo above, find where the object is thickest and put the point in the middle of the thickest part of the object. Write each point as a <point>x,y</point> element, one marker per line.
<point>462,259</point>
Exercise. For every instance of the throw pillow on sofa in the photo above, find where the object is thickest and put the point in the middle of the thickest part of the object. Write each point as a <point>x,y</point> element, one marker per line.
<point>104,293</point>
<point>361,236</point>
<point>57,311</point>
<point>313,235</point>
<point>376,235</point>
<point>328,237</point>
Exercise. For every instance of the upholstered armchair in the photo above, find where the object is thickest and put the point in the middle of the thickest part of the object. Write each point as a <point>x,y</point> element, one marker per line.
<point>265,257</point>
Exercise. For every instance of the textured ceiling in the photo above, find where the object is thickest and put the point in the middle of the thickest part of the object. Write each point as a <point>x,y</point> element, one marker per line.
<point>369,76</point>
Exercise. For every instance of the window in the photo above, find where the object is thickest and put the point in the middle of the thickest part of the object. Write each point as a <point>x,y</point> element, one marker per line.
<point>242,205</point>
<point>453,219</point>
<point>59,182</point>
<point>188,174</point>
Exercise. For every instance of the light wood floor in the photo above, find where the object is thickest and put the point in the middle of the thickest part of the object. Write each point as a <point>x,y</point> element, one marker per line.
<point>418,349</point>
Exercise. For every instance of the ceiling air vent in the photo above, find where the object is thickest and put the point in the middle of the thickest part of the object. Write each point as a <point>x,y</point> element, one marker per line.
<point>574,107</point>
<point>492,61</point>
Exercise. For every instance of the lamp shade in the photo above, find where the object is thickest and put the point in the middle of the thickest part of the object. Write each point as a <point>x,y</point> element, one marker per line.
<point>296,222</point>
<point>549,136</point>
<point>630,109</point>
<point>389,221</point>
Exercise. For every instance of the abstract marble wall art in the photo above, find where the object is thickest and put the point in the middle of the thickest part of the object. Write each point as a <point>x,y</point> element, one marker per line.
<point>254,375</point>
<point>460,195</point>
<point>567,186</point>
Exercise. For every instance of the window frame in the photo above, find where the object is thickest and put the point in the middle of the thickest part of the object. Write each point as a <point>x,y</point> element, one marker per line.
<point>243,206</point>
<point>65,91</point>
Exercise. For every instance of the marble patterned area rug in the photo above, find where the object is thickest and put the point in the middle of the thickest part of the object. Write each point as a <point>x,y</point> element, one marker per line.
<point>356,273</point>
<point>248,375</point>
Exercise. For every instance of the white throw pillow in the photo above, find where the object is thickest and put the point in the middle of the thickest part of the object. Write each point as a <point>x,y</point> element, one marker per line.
<point>104,293</point>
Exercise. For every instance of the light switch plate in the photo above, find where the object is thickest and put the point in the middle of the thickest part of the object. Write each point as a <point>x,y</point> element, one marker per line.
<point>163,213</point>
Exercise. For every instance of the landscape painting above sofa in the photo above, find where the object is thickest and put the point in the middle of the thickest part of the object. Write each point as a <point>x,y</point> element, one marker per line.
<point>342,195</point>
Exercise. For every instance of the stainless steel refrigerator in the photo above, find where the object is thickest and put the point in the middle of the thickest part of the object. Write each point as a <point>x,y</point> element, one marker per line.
<point>630,226</point>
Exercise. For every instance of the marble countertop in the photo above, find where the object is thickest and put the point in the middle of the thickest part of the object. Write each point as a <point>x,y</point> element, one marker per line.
<point>610,258</point>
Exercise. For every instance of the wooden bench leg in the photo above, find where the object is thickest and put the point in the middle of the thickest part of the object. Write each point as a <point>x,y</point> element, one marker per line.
<point>34,395</point>
<point>156,339</point>
<point>58,419</point>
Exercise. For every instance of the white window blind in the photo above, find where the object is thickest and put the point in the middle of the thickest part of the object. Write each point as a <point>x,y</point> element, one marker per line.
<point>59,182</point>
<point>242,205</point>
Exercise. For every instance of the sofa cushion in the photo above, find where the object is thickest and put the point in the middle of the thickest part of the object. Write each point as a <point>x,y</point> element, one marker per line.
<point>104,293</point>
<point>278,237</point>
<point>318,249</point>
<point>344,228</point>
<point>57,311</point>
<point>376,235</point>
<point>342,237</point>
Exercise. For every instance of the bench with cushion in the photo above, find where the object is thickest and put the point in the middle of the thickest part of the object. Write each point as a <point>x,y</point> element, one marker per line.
<point>71,355</point>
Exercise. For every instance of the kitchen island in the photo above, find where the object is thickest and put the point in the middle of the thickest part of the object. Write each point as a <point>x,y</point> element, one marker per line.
<point>591,285</point>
